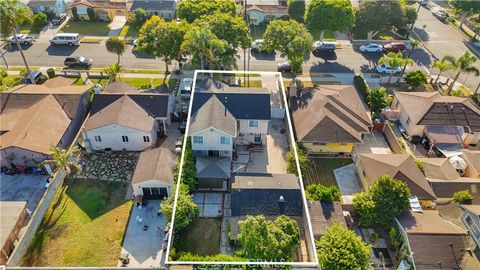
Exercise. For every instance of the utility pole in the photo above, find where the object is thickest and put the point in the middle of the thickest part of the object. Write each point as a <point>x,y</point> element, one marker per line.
<point>245,50</point>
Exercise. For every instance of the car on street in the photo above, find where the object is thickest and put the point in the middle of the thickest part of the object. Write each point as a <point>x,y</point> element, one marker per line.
<point>38,77</point>
<point>320,46</point>
<point>186,84</point>
<point>78,62</point>
<point>58,20</point>
<point>477,44</point>
<point>394,47</point>
<point>69,39</point>
<point>22,39</point>
<point>185,94</point>
<point>440,14</point>
<point>371,47</point>
<point>386,69</point>
<point>256,45</point>
<point>284,67</point>
<point>423,2</point>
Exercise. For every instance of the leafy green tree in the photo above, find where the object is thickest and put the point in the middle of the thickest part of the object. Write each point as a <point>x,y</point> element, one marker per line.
<point>204,46</point>
<point>115,45</point>
<point>162,40</point>
<point>292,161</point>
<point>382,202</point>
<point>75,13</point>
<point>62,159</point>
<point>39,19</point>
<point>464,64</point>
<point>476,98</point>
<point>91,14</point>
<point>189,257</point>
<point>296,9</point>
<point>268,240</point>
<point>329,15</point>
<point>443,65</point>
<point>462,196</point>
<point>413,44</point>
<point>138,17</point>
<point>113,71</point>
<point>340,249</point>
<point>189,171</point>
<point>291,39</point>
<point>371,17</point>
<point>186,211</point>
<point>12,15</point>
<point>466,7</point>
<point>317,192</point>
<point>394,60</point>
<point>410,15</point>
<point>378,99</point>
<point>194,9</point>
<point>416,78</point>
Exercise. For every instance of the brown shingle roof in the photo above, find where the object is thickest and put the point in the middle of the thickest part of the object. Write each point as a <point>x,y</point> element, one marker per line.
<point>473,157</point>
<point>119,87</point>
<point>124,112</point>
<point>155,164</point>
<point>435,109</point>
<point>271,9</point>
<point>401,167</point>
<point>473,208</point>
<point>265,181</point>
<point>439,168</point>
<point>100,4</point>
<point>324,215</point>
<point>330,113</point>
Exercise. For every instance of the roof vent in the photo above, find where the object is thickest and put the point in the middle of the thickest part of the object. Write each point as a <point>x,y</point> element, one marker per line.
<point>250,183</point>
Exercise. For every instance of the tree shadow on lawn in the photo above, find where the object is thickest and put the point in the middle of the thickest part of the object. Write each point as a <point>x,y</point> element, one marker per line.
<point>201,237</point>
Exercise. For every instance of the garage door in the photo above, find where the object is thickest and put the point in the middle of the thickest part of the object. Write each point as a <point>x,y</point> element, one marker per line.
<point>154,193</point>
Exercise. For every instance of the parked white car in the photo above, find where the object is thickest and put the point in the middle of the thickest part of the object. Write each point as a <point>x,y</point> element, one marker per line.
<point>256,44</point>
<point>386,69</point>
<point>371,47</point>
<point>22,39</point>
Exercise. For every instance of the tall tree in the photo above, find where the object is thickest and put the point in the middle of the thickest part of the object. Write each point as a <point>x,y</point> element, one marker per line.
<point>413,44</point>
<point>186,211</point>
<point>466,7</point>
<point>193,9</point>
<point>296,9</point>
<point>63,158</point>
<point>115,45</point>
<point>394,60</point>
<point>443,65</point>
<point>269,240</point>
<point>378,99</point>
<point>382,202</point>
<point>371,17</point>
<point>291,39</point>
<point>113,71</point>
<point>162,40</point>
<point>12,15</point>
<point>329,15</point>
<point>204,46</point>
<point>340,249</point>
<point>464,64</point>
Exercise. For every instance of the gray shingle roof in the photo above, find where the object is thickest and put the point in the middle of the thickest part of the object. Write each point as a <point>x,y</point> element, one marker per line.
<point>166,5</point>
<point>213,167</point>
<point>213,114</point>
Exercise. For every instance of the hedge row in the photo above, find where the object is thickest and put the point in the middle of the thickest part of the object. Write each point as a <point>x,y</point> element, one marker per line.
<point>362,87</point>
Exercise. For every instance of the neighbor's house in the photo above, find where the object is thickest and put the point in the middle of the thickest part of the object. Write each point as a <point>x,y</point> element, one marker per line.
<point>264,11</point>
<point>34,117</point>
<point>126,122</point>
<point>165,9</point>
<point>427,240</point>
<point>324,215</point>
<point>153,175</point>
<point>104,10</point>
<point>446,120</point>
<point>48,6</point>
<point>402,167</point>
<point>12,219</point>
<point>330,119</point>
<point>471,219</point>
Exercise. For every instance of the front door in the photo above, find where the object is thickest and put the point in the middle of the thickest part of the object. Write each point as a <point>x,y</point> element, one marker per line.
<point>257,138</point>
<point>213,153</point>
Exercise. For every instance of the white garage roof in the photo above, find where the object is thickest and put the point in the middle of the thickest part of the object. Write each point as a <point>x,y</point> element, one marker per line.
<point>155,164</point>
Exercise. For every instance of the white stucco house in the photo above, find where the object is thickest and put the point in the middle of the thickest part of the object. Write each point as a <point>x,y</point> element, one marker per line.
<point>153,176</point>
<point>263,11</point>
<point>126,122</point>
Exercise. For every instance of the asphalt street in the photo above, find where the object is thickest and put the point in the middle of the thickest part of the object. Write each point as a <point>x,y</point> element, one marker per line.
<point>439,39</point>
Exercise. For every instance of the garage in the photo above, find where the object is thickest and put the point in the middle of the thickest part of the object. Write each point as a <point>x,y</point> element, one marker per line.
<point>153,178</point>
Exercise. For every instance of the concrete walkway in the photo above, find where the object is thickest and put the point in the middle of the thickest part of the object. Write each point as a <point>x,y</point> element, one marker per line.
<point>116,25</point>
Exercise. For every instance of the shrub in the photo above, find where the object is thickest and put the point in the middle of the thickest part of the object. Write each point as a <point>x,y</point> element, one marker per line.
<point>138,17</point>
<point>291,161</point>
<point>416,78</point>
<point>75,13</point>
<point>476,98</point>
<point>361,86</point>
<point>462,197</point>
<point>378,99</point>
<point>91,14</point>
<point>3,74</point>
<point>296,9</point>
<point>420,165</point>
<point>51,73</point>
<point>40,19</point>
<point>317,192</point>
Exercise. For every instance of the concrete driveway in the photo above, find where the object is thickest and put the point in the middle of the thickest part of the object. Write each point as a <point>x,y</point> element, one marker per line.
<point>116,25</point>
<point>347,182</point>
<point>144,247</point>
<point>373,143</point>
<point>23,187</point>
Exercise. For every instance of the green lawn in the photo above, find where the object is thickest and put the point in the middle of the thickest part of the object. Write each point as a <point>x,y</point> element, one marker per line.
<point>86,28</point>
<point>84,226</point>
<point>129,31</point>
<point>139,82</point>
<point>201,237</point>
<point>251,83</point>
<point>320,170</point>
<point>327,36</point>
<point>30,29</point>
<point>100,81</point>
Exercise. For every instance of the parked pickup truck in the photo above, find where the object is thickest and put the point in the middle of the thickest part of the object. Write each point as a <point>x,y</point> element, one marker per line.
<point>320,46</point>
<point>22,39</point>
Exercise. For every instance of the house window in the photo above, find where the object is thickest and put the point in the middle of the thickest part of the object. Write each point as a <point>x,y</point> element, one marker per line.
<point>224,140</point>
<point>97,138</point>
<point>82,10</point>
<point>125,138</point>
<point>146,138</point>
<point>408,120</point>
<point>253,123</point>
<point>473,227</point>
<point>198,139</point>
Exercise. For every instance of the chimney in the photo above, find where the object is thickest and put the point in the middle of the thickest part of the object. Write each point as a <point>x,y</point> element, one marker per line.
<point>281,204</point>
<point>225,105</point>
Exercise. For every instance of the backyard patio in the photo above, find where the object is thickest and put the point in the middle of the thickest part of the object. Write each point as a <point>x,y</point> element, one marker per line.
<point>84,225</point>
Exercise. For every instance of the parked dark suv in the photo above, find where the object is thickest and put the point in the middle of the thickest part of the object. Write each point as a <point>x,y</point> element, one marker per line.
<point>78,62</point>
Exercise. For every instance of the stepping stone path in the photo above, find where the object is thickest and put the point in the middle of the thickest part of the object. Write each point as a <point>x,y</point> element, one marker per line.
<point>116,166</point>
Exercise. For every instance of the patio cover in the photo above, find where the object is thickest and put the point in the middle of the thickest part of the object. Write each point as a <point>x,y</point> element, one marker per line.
<point>213,167</point>
<point>444,134</point>
<point>449,150</point>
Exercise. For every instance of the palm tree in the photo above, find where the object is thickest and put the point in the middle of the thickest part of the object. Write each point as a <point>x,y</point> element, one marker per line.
<point>113,71</point>
<point>62,158</point>
<point>394,61</point>
<point>443,65</point>
<point>413,43</point>
<point>464,64</point>
<point>13,14</point>
<point>115,45</point>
